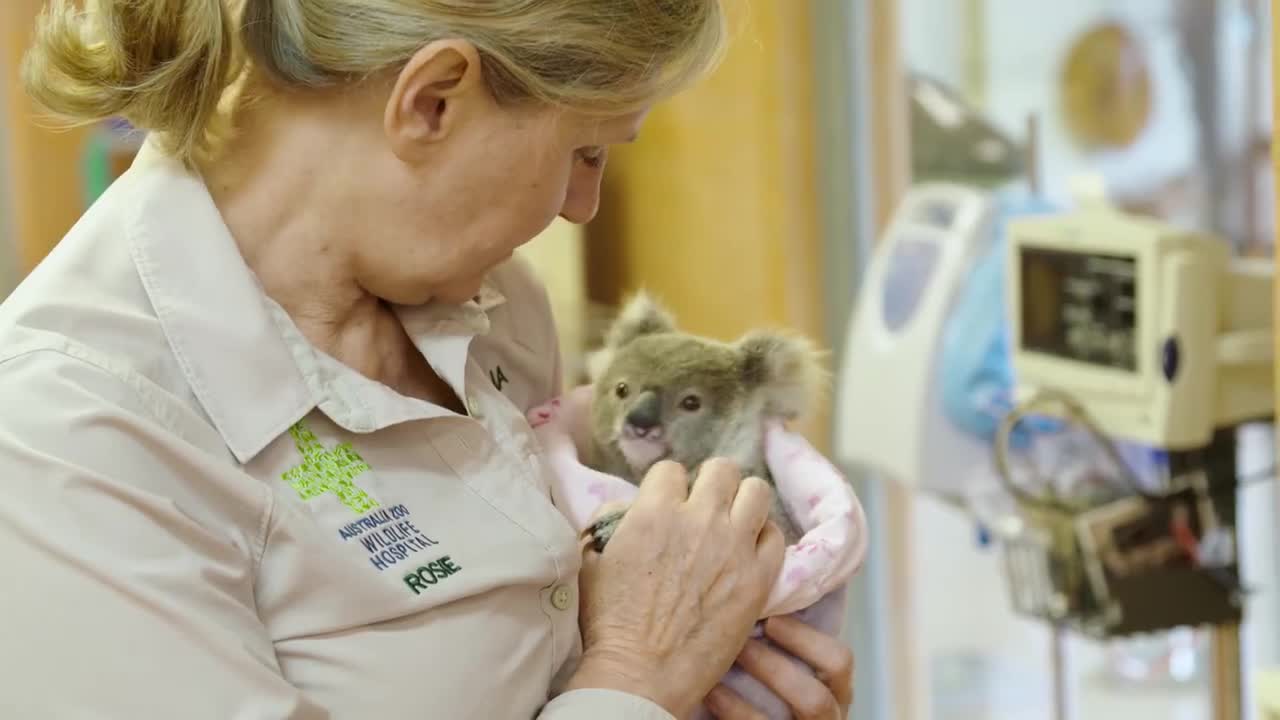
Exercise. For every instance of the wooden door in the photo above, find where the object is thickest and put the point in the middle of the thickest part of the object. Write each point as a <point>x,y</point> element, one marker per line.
<point>44,164</point>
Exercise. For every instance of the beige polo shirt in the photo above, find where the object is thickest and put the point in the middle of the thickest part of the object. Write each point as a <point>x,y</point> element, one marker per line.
<point>202,517</point>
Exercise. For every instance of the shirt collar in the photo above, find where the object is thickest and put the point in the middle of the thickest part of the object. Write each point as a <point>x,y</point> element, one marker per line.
<point>248,366</point>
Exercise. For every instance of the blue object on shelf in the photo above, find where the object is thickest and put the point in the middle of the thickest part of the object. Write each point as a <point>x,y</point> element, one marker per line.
<point>977,372</point>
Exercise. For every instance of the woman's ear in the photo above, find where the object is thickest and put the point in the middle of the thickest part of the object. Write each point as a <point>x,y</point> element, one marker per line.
<point>431,96</point>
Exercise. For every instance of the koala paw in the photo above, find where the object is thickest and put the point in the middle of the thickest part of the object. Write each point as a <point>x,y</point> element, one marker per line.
<point>602,530</point>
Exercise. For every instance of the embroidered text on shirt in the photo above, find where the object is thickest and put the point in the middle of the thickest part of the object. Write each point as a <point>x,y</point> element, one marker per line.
<point>328,471</point>
<point>498,378</point>
<point>388,535</point>
<point>430,574</point>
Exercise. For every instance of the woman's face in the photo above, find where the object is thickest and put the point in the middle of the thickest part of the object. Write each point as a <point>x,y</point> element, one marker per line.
<point>464,181</point>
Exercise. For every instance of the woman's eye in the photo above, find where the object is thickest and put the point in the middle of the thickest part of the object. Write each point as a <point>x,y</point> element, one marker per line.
<point>621,390</point>
<point>691,403</point>
<point>592,156</point>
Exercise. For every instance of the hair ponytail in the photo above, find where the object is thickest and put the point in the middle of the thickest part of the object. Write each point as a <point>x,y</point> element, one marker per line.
<point>163,65</point>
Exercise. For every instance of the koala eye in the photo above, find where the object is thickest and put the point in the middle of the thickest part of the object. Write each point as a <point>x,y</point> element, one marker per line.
<point>692,403</point>
<point>622,390</point>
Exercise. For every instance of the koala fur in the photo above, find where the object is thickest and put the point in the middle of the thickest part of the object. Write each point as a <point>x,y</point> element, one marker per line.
<point>663,394</point>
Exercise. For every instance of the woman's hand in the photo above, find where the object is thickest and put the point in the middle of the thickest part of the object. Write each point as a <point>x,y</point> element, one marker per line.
<point>670,602</point>
<point>825,693</point>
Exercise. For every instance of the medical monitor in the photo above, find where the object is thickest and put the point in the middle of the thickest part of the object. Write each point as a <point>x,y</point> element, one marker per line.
<point>1156,330</point>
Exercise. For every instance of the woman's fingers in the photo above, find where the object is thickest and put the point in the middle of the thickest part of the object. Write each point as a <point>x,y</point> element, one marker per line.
<point>751,506</point>
<point>725,704</point>
<point>806,695</point>
<point>716,485</point>
<point>830,659</point>
<point>771,550</point>
<point>665,484</point>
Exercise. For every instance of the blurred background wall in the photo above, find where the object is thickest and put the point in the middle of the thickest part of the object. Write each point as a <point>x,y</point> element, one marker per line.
<point>45,178</point>
<point>9,271</point>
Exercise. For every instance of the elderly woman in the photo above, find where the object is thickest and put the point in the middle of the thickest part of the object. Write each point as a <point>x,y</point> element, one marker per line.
<point>252,463</point>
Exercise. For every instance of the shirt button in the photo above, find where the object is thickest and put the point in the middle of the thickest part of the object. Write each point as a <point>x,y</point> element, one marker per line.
<point>474,408</point>
<point>561,597</point>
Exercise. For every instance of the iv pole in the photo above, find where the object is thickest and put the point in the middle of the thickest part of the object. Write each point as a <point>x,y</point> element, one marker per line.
<point>1226,689</point>
<point>1058,635</point>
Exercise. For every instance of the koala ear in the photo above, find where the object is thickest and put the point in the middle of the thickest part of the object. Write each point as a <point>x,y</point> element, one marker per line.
<point>787,368</point>
<point>642,315</point>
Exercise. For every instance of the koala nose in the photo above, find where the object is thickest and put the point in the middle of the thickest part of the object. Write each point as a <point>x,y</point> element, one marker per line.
<point>645,419</point>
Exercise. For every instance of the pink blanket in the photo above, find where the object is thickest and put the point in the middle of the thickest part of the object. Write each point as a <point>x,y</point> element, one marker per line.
<point>816,570</point>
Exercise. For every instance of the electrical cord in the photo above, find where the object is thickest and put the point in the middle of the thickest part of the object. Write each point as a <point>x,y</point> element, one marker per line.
<point>1073,410</point>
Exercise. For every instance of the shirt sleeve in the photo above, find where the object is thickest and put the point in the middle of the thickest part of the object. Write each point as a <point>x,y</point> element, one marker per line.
<point>129,548</point>
<point>592,704</point>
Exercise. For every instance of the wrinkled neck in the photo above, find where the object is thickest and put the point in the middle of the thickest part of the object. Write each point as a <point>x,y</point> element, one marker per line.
<point>284,188</point>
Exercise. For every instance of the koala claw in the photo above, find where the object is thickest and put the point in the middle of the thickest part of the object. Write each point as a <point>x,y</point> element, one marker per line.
<point>602,530</point>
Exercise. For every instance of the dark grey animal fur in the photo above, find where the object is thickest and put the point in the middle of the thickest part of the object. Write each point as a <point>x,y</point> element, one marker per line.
<point>663,394</point>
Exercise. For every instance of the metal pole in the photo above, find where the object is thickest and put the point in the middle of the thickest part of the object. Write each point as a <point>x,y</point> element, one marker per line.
<point>842,51</point>
<point>1059,669</point>
<point>1255,61</point>
<point>1033,154</point>
<point>1199,24</point>
<point>1058,635</point>
<point>1227,690</point>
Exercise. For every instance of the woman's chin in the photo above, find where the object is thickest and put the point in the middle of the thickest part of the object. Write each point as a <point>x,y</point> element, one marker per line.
<point>457,293</point>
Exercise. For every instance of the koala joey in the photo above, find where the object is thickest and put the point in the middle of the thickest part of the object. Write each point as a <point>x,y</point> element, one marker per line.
<point>663,394</point>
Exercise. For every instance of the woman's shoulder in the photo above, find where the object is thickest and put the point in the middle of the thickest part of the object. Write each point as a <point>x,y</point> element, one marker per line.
<point>85,308</point>
<point>63,385</point>
<point>105,406</point>
<point>85,301</point>
<point>79,339</point>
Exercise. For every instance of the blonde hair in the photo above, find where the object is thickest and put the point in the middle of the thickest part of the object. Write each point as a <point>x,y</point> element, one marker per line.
<point>166,65</point>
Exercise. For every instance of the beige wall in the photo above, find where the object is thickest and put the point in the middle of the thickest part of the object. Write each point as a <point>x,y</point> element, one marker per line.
<point>43,165</point>
<point>9,271</point>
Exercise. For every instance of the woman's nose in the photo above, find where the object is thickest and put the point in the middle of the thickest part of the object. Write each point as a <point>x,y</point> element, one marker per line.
<point>582,199</point>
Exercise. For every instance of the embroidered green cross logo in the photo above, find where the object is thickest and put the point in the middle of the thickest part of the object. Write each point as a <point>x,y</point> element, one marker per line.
<point>328,471</point>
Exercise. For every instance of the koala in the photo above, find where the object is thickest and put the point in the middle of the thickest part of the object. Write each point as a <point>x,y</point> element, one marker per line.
<point>662,394</point>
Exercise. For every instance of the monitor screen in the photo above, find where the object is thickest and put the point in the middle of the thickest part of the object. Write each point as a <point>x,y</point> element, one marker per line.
<point>910,270</point>
<point>1080,306</point>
